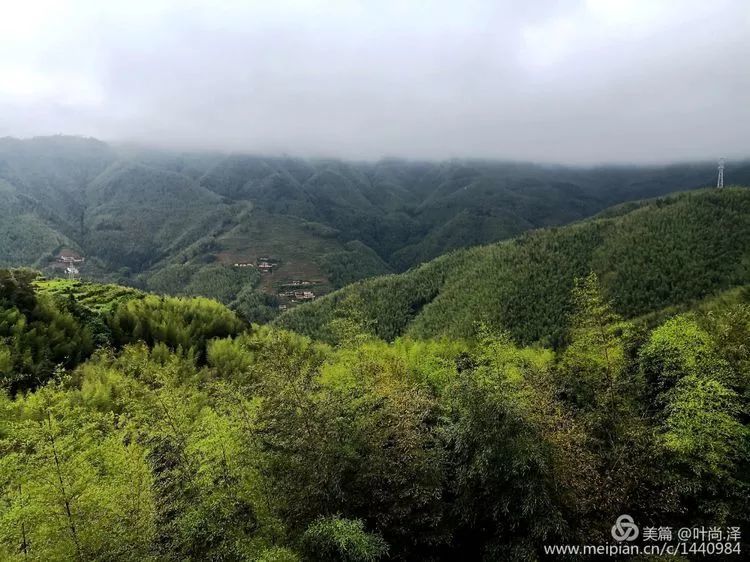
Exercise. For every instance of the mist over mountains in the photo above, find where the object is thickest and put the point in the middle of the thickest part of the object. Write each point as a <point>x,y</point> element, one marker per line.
<point>573,81</point>
<point>374,281</point>
<point>478,403</point>
<point>178,222</point>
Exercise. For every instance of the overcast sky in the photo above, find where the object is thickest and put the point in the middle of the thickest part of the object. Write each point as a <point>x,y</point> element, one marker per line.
<point>576,81</point>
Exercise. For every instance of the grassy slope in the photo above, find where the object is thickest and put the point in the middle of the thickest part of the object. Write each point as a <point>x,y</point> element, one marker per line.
<point>95,296</point>
<point>662,253</point>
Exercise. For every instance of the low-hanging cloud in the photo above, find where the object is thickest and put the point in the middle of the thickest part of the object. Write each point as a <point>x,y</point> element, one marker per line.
<point>567,81</point>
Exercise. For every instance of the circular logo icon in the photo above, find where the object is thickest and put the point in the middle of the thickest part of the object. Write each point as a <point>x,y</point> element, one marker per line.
<point>625,529</point>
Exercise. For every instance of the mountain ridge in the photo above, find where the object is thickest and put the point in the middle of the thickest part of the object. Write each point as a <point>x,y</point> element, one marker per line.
<point>658,254</point>
<point>132,212</point>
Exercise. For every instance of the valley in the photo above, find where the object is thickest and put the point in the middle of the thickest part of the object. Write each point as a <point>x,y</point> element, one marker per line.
<point>374,281</point>
<point>648,255</point>
<point>177,222</point>
<point>305,383</point>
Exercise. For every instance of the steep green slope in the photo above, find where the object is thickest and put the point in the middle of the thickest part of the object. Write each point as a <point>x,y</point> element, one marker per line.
<point>163,411</point>
<point>156,219</point>
<point>662,253</point>
<point>134,213</point>
<point>25,235</point>
<point>410,212</point>
<point>52,172</point>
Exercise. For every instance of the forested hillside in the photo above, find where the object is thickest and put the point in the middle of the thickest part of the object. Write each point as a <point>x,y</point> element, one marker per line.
<point>648,255</point>
<point>179,222</point>
<point>139,427</point>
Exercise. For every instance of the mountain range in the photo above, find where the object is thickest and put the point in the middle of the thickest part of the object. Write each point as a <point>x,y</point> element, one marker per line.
<point>648,256</point>
<point>476,406</point>
<point>181,223</point>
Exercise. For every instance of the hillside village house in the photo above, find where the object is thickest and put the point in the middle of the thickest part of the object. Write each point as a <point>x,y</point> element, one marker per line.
<point>68,257</point>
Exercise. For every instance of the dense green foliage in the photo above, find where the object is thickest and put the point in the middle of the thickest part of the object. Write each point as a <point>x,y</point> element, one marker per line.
<point>356,261</point>
<point>155,220</point>
<point>212,281</point>
<point>187,436</point>
<point>178,323</point>
<point>49,325</point>
<point>94,296</point>
<point>663,253</point>
<point>36,337</point>
<point>478,407</point>
<point>25,238</point>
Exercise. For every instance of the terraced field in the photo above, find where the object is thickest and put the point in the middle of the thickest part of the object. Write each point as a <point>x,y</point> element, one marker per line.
<point>100,298</point>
